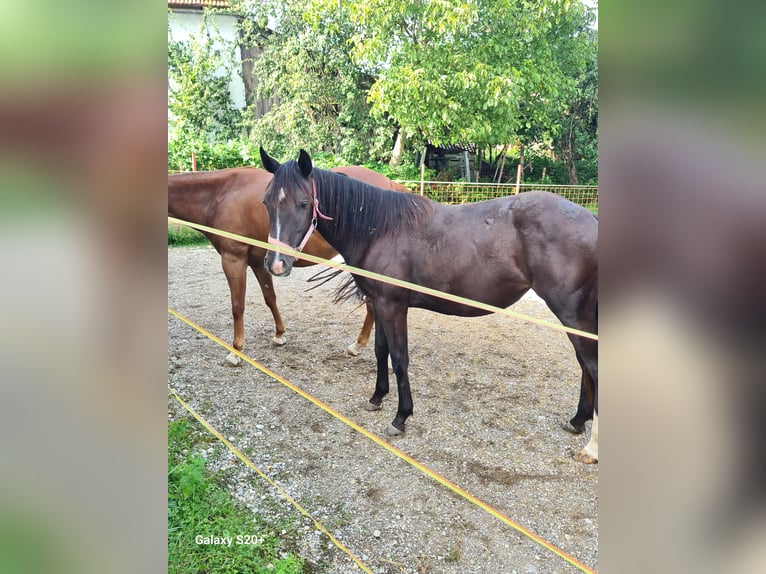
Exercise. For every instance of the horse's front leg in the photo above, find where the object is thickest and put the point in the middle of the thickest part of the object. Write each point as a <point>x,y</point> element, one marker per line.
<point>270,298</point>
<point>381,356</point>
<point>235,268</point>
<point>394,324</point>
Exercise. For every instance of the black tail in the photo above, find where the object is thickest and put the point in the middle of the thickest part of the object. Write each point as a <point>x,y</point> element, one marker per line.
<point>346,291</point>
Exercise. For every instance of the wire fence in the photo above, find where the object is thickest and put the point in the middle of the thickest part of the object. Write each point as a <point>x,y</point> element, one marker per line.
<point>456,192</point>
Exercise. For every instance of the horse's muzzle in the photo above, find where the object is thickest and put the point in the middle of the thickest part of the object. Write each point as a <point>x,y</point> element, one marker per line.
<point>279,265</point>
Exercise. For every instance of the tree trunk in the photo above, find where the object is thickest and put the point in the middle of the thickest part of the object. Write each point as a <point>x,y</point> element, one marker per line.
<point>250,49</point>
<point>572,172</point>
<point>398,153</point>
<point>477,162</point>
<point>570,155</point>
<point>499,163</point>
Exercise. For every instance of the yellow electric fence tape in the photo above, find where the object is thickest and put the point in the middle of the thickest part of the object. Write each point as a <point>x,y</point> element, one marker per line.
<point>241,456</point>
<point>405,457</point>
<point>385,279</point>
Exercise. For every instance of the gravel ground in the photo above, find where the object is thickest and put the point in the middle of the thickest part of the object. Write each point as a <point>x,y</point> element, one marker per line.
<point>490,396</point>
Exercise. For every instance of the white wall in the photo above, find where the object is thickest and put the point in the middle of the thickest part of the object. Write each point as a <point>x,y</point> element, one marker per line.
<point>184,24</point>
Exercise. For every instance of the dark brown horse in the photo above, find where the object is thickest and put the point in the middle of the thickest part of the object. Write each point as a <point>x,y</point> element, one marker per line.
<point>492,251</point>
<point>232,200</point>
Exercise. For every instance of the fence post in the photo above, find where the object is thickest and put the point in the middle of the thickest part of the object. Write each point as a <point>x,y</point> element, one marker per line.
<point>467,167</point>
<point>423,170</point>
<point>518,179</point>
<point>194,161</point>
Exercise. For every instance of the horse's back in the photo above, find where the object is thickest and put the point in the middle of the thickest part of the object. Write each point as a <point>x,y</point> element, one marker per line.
<point>532,213</point>
<point>560,244</point>
<point>212,189</point>
<point>555,213</point>
<point>228,199</point>
<point>505,245</point>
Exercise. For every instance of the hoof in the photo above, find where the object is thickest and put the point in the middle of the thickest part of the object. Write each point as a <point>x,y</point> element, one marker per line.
<point>372,407</point>
<point>585,457</point>
<point>570,428</point>
<point>391,430</point>
<point>279,341</point>
<point>233,360</point>
<point>353,350</point>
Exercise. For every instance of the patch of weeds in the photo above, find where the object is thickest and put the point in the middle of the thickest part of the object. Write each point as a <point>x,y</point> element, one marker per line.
<point>179,235</point>
<point>200,506</point>
<point>341,516</point>
<point>455,553</point>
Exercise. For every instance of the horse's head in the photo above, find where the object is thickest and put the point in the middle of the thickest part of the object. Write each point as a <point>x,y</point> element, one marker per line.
<point>291,203</point>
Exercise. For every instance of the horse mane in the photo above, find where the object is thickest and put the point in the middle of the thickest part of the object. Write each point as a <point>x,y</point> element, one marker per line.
<point>359,209</point>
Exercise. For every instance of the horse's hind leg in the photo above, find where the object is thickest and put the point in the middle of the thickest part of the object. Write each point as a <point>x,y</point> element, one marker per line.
<point>270,298</point>
<point>235,269</point>
<point>589,453</point>
<point>583,317</point>
<point>588,352</point>
<point>364,335</point>
<point>576,424</point>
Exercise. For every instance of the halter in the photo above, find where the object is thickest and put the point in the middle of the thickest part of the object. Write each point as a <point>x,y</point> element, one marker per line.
<point>311,228</point>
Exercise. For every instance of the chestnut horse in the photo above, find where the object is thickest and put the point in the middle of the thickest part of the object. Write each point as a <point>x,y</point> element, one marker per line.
<point>490,251</point>
<point>232,200</point>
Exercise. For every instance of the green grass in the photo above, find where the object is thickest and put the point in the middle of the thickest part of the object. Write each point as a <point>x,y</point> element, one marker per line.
<point>179,235</point>
<point>200,504</point>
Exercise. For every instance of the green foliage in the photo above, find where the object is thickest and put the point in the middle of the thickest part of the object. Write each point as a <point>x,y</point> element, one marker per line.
<point>180,235</point>
<point>216,155</point>
<point>199,104</point>
<point>576,141</point>
<point>190,476</point>
<point>318,93</point>
<point>587,170</point>
<point>406,171</point>
<point>486,71</point>
<point>343,77</point>
<point>535,162</point>
<point>198,504</point>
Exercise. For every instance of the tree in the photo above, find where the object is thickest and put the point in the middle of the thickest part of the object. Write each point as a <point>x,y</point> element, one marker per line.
<point>458,71</point>
<point>199,103</point>
<point>578,136</point>
<point>320,95</point>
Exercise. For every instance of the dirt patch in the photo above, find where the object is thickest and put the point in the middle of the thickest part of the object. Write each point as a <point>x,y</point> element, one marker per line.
<point>490,395</point>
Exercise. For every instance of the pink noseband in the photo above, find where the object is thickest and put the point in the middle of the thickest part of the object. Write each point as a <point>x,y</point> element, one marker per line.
<point>311,228</point>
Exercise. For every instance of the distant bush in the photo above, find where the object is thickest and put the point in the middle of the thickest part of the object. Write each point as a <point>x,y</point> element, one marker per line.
<point>210,156</point>
<point>555,171</point>
<point>179,235</point>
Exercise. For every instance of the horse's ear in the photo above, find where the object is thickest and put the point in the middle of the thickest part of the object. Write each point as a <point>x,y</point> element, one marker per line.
<point>304,163</point>
<point>269,164</point>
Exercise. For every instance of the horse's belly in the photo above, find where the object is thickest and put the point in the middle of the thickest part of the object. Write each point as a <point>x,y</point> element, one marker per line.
<point>447,307</point>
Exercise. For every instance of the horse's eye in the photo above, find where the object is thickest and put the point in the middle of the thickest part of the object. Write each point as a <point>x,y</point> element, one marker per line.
<point>304,204</point>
